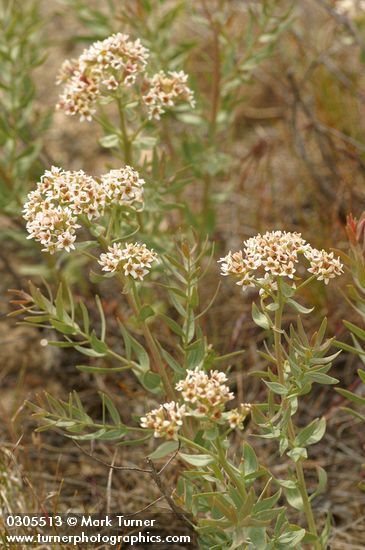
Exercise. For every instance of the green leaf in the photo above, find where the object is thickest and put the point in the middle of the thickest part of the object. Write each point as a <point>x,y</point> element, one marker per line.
<point>259,318</point>
<point>62,327</point>
<point>361,373</point>
<point>351,396</point>
<point>211,434</point>
<point>102,317</point>
<point>322,482</point>
<point>276,387</point>
<point>146,312</point>
<point>141,353</point>
<point>85,317</point>
<point>291,538</point>
<point>109,141</point>
<point>356,414</point>
<point>164,449</point>
<point>197,460</point>
<point>59,344</point>
<point>195,354</point>
<point>150,380</point>
<point>320,378</point>
<point>98,345</point>
<point>172,362</point>
<point>360,333</point>
<point>99,277</point>
<point>312,433</point>
<point>59,303</point>
<point>294,498</point>
<point>298,453</point>
<point>298,307</point>
<point>250,463</point>
<point>287,290</point>
<point>111,435</point>
<point>101,370</point>
<point>325,535</point>
<point>89,352</point>
<point>172,325</point>
<point>112,410</point>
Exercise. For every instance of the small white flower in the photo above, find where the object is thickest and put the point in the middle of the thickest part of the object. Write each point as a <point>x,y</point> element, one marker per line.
<point>123,187</point>
<point>276,254</point>
<point>236,417</point>
<point>105,65</point>
<point>166,420</point>
<point>165,90</point>
<point>208,392</point>
<point>134,259</point>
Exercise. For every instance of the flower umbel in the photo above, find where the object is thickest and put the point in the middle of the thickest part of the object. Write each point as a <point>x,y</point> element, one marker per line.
<point>164,90</point>
<point>165,421</point>
<point>134,259</point>
<point>208,393</point>
<point>236,417</point>
<point>275,254</point>
<point>52,208</point>
<point>205,394</point>
<point>104,66</point>
<point>61,196</point>
<point>123,186</point>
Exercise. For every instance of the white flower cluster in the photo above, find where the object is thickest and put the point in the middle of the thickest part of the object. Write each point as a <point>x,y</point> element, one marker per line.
<point>105,65</point>
<point>275,254</point>
<point>108,64</point>
<point>133,259</point>
<point>236,417</point>
<point>53,226</point>
<point>165,90</point>
<point>61,196</point>
<point>351,8</point>
<point>203,393</point>
<point>323,264</point>
<point>123,186</point>
<point>165,421</point>
<point>207,392</point>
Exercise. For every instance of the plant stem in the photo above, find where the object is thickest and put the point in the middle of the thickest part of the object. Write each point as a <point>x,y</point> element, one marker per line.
<point>277,338</point>
<point>127,147</point>
<point>306,503</point>
<point>158,364</point>
<point>239,484</point>
<point>291,430</point>
<point>133,300</point>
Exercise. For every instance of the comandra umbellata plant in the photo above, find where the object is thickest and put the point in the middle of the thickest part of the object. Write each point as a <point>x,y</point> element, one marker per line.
<point>271,263</point>
<point>234,500</point>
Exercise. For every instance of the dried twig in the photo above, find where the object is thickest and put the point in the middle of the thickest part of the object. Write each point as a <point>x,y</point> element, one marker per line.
<point>97,459</point>
<point>166,493</point>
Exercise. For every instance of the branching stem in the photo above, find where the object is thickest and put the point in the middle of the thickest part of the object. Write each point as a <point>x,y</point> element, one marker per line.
<point>291,429</point>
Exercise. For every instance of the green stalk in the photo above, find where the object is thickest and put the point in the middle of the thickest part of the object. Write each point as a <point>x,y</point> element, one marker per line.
<point>158,365</point>
<point>235,479</point>
<point>126,143</point>
<point>277,338</point>
<point>220,457</point>
<point>291,430</point>
<point>133,299</point>
<point>127,147</point>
